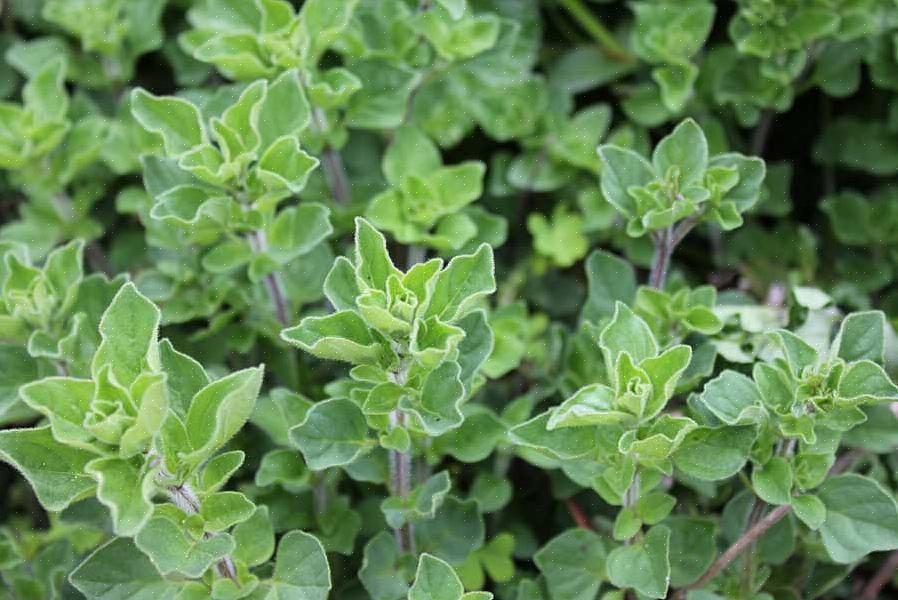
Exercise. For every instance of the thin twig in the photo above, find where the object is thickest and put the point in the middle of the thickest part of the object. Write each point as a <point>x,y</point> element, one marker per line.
<point>279,302</point>
<point>748,538</point>
<point>881,579</point>
<point>185,498</point>
<point>601,34</point>
<point>754,533</point>
<point>578,515</point>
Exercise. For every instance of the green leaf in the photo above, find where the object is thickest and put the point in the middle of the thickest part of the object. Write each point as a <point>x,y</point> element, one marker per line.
<point>381,573</point>
<point>610,280</point>
<point>861,337</point>
<point>222,510</point>
<point>712,454</point>
<point>435,580</point>
<point>176,120</point>
<point>573,564</point>
<point>218,470</point>
<point>773,481</point>
<point>254,538</point>
<point>66,403</point>
<point>184,377</point>
<point>627,332</point>
<point>810,509</point>
<point>124,488</point>
<point>373,263</point>
<point>342,336</point>
<point>561,443</point>
<point>219,411</point>
<point>129,328</point>
<point>733,398</point>
<point>798,353</point>
<point>164,541</point>
<point>463,282</point>
<point>643,565</point>
<point>284,110</point>
<point>623,169</point>
<point>861,517</point>
<point>664,372</point>
<point>867,382</point>
<point>439,408</point>
<point>334,433</point>
<point>410,153</point>
<point>692,548</point>
<point>45,95</point>
<point>118,570</point>
<point>421,503</point>
<point>590,405</point>
<point>297,230</point>
<point>301,570</point>
<point>456,530</point>
<point>684,149</point>
<point>285,166</point>
<point>54,471</point>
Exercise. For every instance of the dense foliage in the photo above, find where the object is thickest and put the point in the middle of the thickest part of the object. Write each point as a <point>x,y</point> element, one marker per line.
<point>448,299</point>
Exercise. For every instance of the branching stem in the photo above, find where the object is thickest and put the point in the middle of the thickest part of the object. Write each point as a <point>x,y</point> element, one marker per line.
<point>273,283</point>
<point>185,498</point>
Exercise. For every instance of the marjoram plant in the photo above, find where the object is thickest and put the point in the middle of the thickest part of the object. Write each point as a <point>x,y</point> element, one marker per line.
<point>448,299</point>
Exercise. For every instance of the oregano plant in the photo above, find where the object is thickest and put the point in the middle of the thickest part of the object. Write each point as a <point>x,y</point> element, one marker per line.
<point>448,300</point>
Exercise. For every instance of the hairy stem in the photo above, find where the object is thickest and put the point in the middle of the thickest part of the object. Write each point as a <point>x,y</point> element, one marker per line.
<point>273,283</point>
<point>335,173</point>
<point>881,579</point>
<point>661,258</point>
<point>185,498</point>
<point>401,485</point>
<point>594,27</point>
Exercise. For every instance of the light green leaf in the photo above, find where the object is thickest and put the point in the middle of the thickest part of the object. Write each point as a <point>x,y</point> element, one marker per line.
<point>125,490</point>
<point>692,548</point>
<point>810,509</point>
<point>254,538</point>
<point>439,407</point>
<point>465,280</point>
<point>622,169</point>
<point>733,398</point>
<point>381,572</point>
<point>120,571</point>
<point>219,410</point>
<point>172,551</point>
<point>175,119</point>
<point>861,337</point>
<point>342,336</point>
<point>773,481</point>
<point>713,454</point>
<point>334,433</point>
<point>128,328</point>
<point>861,517</point>
<point>284,111</point>
<point>222,510</point>
<point>373,263</point>
<point>685,150</point>
<point>301,570</point>
<point>54,471</point>
<point>643,565</point>
<point>297,230</point>
<point>285,165</point>
<point>573,564</point>
<point>867,382</point>
<point>435,579</point>
<point>610,280</point>
<point>65,402</point>
<point>628,333</point>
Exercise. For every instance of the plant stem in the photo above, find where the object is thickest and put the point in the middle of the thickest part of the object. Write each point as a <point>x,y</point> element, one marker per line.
<point>601,34</point>
<point>97,259</point>
<point>335,173</point>
<point>415,255</point>
<point>748,538</point>
<point>401,486</point>
<point>332,162</point>
<point>755,532</point>
<point>273,283</point>
<point>881,579</point>
<point>184,498</point>
<point>661,258</point>
<point>577,514</point>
